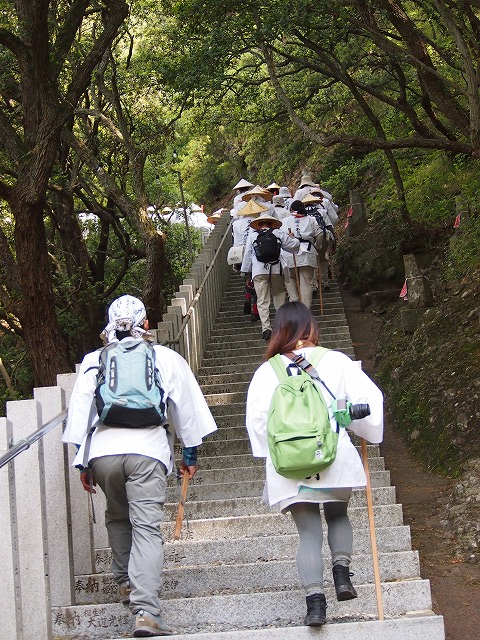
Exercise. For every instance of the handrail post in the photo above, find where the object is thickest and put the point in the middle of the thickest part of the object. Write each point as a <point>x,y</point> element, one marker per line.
<point>11,610</point>
<point>77,499</point>
<point>31,523</point>
<point>52,401</point>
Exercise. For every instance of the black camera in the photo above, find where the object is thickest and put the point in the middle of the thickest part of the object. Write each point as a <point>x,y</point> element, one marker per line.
<point>345,411</point>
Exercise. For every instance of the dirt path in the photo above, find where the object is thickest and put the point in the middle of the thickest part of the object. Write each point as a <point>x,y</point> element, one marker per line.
<point>455,584</point>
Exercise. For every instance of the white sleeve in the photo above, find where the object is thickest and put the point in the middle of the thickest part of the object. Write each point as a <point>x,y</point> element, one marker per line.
<point>360,389</point>
<point>80,405</point>
<point>247,255</point>
<point>187,409</point>
<point>289,244</point>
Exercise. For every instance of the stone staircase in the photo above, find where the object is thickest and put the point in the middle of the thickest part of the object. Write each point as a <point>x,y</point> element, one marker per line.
<point>233,573</point>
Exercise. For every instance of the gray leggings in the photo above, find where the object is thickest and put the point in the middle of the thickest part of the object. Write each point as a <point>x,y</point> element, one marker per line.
<point>308,520</point>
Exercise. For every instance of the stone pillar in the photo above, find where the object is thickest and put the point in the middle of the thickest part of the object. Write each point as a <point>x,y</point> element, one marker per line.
<point>25,416</point>
<point>78,499</point>
<point>11,609</point>
<point>52,402</point>
<point>357,222</point>
<point>419,295</point>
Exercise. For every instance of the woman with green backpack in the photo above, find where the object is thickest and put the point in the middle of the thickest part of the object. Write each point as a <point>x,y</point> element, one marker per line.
<point>290,404</point>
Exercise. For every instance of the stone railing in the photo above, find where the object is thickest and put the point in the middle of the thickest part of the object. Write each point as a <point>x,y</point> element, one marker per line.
<point>47,532</point>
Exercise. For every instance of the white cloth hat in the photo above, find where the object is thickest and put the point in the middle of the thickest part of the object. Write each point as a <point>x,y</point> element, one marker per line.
<point>285,192</point>
<point>306,181</point>
<point>126,313</point>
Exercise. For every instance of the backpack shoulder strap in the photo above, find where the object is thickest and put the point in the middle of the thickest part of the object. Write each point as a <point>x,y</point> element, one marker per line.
<point>279,367</point>
<point>317,355</point>
<point>309,368</point>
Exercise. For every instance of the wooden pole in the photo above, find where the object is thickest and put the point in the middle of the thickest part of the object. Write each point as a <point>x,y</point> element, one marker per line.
<point>181,505</point>
<point>296,274</point>
<point>373,537</point>
<point>320,292</point>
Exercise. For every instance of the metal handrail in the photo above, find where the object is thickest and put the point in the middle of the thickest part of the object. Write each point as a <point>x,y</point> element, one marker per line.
<point>196,298</point>
<point>25,443</point>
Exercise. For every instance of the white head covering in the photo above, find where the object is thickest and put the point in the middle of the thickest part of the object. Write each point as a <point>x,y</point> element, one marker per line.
<point>125,314</point>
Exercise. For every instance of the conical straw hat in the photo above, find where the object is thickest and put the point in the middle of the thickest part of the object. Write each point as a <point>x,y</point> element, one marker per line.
<point>276,224</point>
<point>257,191</point>
<point>243,184</point>
<point>252,208</point>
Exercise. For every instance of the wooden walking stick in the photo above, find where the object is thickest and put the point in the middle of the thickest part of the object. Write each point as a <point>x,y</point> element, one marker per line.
<point>296,273</point>
<point>373,537</point>
<point>320,292</point>
<point>181,505</point>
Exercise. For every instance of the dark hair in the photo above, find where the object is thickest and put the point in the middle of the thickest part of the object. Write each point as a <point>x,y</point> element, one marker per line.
<point>293,322</point>
<point>299,207</point>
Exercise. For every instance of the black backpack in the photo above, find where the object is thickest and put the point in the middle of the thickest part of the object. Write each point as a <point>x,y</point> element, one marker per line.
<point>267,247</point>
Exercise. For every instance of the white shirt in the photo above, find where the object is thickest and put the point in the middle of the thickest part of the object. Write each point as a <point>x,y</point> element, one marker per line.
<point>344,378</point>
<point>187,412</point>
<point>241,229</point>
<point>250,264</point>
<point>303,227</point>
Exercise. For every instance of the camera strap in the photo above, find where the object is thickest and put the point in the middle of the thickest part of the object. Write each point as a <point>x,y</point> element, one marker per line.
<point>302,363</point>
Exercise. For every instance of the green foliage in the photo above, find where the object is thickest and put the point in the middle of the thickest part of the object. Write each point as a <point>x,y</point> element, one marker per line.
<point>431,183</point>
<point>18,368</point>
<point>464,254</point>
<point>178,255</point>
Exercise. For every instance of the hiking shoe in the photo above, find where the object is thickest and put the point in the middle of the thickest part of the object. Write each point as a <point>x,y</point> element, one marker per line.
<point>343,585</point>
<point>147,626</point>
<point>254,317</point>
<point>316,610</point>
<point>267,334</point>
<point>124,590</point>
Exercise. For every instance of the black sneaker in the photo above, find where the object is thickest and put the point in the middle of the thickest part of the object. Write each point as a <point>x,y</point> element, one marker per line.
<point>254,317</point>
<point>316,610</point>
<point>343,585</point>
<point>267,334</point>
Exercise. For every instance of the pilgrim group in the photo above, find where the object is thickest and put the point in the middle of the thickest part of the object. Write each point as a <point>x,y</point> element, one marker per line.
<point>304,224</point>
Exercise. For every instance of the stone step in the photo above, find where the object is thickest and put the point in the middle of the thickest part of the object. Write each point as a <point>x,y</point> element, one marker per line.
<point>267,524</point>
<point>251,504</point>
<point>229,314</point>
<point>208,580</point>
<point>255,472</point>
<point>255,355</point>
<point>237,377</point>
<point>248,327</point>
<point>220,447</point>
<point>267,609</point>
<point>265,548</point>
<point>233,462</point>
<point>227,368</point>
<point>250,339</point>
<point>426,626</point>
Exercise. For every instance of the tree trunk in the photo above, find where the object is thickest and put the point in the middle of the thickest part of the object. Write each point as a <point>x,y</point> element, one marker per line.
<point>44,342</point>
<point>156,265</point>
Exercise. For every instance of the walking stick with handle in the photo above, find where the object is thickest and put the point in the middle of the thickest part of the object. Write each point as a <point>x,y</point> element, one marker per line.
<point>181,505</point>
<point>296,273</point>
<point>373,537</point>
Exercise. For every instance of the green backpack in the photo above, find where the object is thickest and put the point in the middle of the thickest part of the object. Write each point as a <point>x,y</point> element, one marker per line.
<point>300,437</point>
